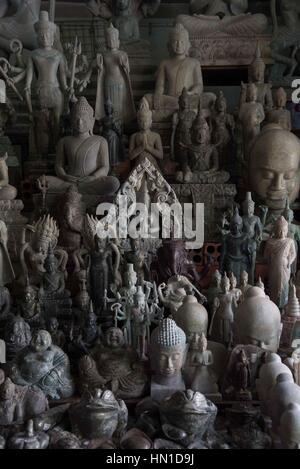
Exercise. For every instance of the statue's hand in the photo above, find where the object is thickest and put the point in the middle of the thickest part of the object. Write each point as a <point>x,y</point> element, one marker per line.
<point>72,179</point>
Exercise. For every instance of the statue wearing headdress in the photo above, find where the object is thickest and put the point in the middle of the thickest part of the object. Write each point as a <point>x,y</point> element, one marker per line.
<point>253,227</point>
<point>279,114</point>
<point>280,253</point>
<point>113,81</point>
<point>293,231</point>
<point>82,159</point>
<point>235,249</point>
<point>145,143</point>
<point>223,123</point>
<point>50,67</point>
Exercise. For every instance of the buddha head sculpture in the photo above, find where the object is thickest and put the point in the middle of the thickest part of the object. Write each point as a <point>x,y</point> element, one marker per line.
<point>258,321</point>
<point>179,41</point>
<point>144,115</point>
<point>45,30</point>
<point>112,37</point>
<point>83,118</point>
<point>274,167</point>
<point>168,349</point>
<point>200,130</point>
<point>248,205</point>
<point>258,67</point>
<point>191,317</point>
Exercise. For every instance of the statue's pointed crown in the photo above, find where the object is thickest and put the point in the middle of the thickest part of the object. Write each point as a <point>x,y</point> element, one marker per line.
<point>236,217</point>
<point>44,23</point>
<point>111,31</point>
<point>144,108</point>
<point>248,200</point>
<point>181,31</point>
<point>258,60</point>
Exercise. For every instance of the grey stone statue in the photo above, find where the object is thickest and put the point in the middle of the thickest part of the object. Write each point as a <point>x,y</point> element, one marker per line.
<point>125,14</point>
<point>167,354</point>
<point>83,159</point>
<point>7,192</point>
<point>279,114</point>
<point>112,131</point>
<point>253,227</point>
<point>50,66</point>
<point>44,365</point>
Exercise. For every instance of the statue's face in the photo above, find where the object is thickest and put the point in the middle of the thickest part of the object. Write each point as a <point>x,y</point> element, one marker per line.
<point>122,5</point>
<point>145,122</point>
<point>46,38</point>
<point>274,172</point>
<point>50,267</point>
<point>7,390</point>
<point>179,44</point>
<point>252,94</point>
<point>233,282</point>
<point>114,338</point>
<point>249,210</point>
<point>258,73</point>
<point>235,228</point>
<point>280,101</point>
<point>53,325</point>
<point>112,41</point>
<point>29,297</point>
<point>82,123</point>
<point>201,134</point>
<point>40,341</point>
<point>170,360</point>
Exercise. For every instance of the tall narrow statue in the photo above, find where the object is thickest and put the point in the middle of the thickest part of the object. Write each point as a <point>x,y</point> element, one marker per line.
<point>50,67</point>
<point>280,252</point>
<point>82,159</point>
<point>257,76</point>
<point>253,227</point>
<point>113,80</point>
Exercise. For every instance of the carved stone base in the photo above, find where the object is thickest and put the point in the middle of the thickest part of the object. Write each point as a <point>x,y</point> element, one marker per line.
<point>216,198</point>
<point>10,213</point>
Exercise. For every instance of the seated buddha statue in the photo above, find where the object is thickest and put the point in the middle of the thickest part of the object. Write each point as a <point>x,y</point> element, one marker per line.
<point>44,365</point>
<point>7,192</point>
<point>176,73</point>
<point>83,159</point>
<point>115,366</point>
<point>223,16</point>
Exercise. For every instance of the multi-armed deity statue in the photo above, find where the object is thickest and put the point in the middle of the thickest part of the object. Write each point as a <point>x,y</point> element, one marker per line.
<point>83,159</point>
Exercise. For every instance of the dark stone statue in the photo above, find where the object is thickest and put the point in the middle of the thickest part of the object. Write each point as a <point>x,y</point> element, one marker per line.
<point>111,130</point>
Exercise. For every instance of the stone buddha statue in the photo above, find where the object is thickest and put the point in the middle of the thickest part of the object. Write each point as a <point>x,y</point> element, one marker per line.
<point>273,171</point>
<point>44,365</point>
<point>279,114</point>
<point>227,17</point>
<point>7,192</point>
<point>257,76</point>
<point>258,321</point>
<point>114,366</point>
<point>176,73</point>
<point>167,355</point>
<point>83,159</point>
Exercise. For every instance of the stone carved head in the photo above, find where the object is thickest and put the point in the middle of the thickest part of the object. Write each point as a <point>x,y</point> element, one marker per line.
<point>45,30</point>
<point>83,118</point>
<point>179,41</point>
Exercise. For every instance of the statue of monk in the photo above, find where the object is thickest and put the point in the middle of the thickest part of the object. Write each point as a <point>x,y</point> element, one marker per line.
<point>223,16</point>
<point>176,73</point>
<point>83,159</point>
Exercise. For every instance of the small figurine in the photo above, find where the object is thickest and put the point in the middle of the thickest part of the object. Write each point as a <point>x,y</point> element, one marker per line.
<point>253,227</point>
<point>279,114</point>
<point>293,231</point>
<point>45,365</point>
<point>280,252</point>
<point>244,285</point>
<point>29,439</point>
<point>145,143</point>
<point>223,124</point>
<point>7,192</point>
<point>53,281</point>
<point>257,76</point>
<point>221,328</point>
<point>235,249</point>
<point>204,380</point>
<point>141,321</point>
<point>241,377</point>
<point>17,336</point>
<point>214,289</point>
<point>168,354</point>
<point>57,335</point>
<point>233,288</point>
<point>99,415</point>
<point>31,309</point>
<point>111,130</point>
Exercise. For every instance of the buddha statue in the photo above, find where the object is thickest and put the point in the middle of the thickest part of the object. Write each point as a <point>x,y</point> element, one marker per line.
<point>293,231</point>
<point>244,285</point>
<point>17,336</point>
<point>176,73</point>
<point>53,281</point>
<point>280,114</point>
<point>214,289</point>
<point>31,309</point>
<point>251,116</point>
<point>237,293</point>
<point>83,159</point>
<point>44,365</point>
<point>227,17</point>
<point>223,124</point>
<point>7,192</point>
<point>274,167</point>
<point>280,252</point>
<point>57,335</point>
<point>258,321</point>
<point>257,76</point>
<point>167,355</point>
<point>115,366</point>
<point>145,143</point>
